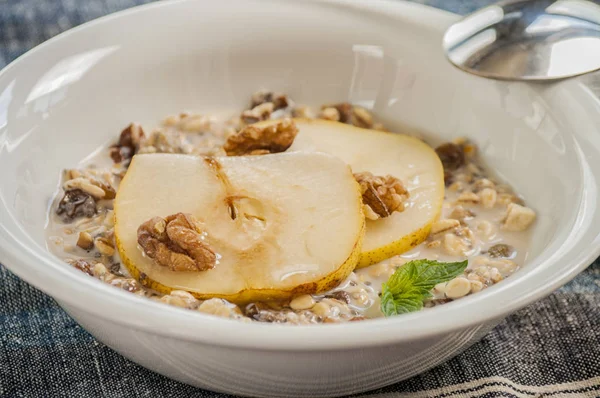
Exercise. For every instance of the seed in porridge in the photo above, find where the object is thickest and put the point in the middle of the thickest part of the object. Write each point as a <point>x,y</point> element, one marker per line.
<point>330,114</point>
<point>461,214</point>
<point>518,218</point>
<point>488,197</point>
<point>85,241</point>
<point>362,118</point>
<point>468,198</point>
<point>485,228</point>
<point>321,309</point>
<point>464,232</point>
<point>74,204</point>
<point>255,140</point>
<point>444,225</point>
<point>501,250</point>
<point>303,302</point>
<point>86,186</point>
<point>476,286</point>
<point>483,183</point>
<point>457,288</point>
<point>454,245</point>
<point>434,244</point>
<point>453,186</point>
<point>506,199</point>
<point>99,270</point>
<point>105,247</point>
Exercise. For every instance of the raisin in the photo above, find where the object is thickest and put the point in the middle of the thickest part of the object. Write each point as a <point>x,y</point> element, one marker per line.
<point>84,266</point>
<point>451,155</point>
<point>76,203</point>
<point>340,295</point>
<point>501,250</point>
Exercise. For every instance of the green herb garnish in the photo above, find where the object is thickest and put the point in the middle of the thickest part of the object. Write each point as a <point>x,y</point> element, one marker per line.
<point>411,284</point>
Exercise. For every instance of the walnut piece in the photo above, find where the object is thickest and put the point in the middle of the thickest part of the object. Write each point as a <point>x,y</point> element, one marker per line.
<point>129,143</point>
<point>280,101</point>
<point>176,242</point>
<point>381,195</point>
<point>344,112</point>
<point>83,265</point>
<point>347,113</point>
<point>76,203</point>
<point>85,241</point>
<point>253,140</point>
<point>258,113</point>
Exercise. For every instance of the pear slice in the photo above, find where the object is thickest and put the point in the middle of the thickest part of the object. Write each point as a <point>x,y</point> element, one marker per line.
<point>381,153</point>
<point>281,225</point>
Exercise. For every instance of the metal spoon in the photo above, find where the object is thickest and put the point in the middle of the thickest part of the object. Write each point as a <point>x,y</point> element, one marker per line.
<point>527,40</point>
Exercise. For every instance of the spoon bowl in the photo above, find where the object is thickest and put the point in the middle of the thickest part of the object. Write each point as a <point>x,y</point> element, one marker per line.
<point>527,40</point>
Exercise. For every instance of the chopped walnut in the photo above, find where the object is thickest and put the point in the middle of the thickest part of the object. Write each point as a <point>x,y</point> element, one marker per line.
<point>129,143</point>
<point>341,296</point>
<point>76,203</point>
<point>83,265</point>
<point>258,113</point>
<point>362,118</point>
<point>347,113</point>
<point>254,140</point>
<point>176,242</point>
<point>279,101</point>
<point>85,241</point>
<point>443,226</point>
<point>344,112</point>
<point>263,313</point>
<point>381,195</point>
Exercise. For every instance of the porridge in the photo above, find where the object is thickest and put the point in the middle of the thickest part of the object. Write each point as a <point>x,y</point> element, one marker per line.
<point>432,236</point>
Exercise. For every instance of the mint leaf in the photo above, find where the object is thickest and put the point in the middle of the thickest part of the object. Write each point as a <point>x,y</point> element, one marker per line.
<point>406,289</point>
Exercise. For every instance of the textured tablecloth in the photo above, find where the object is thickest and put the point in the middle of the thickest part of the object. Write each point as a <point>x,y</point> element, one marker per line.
<point>549,349</point>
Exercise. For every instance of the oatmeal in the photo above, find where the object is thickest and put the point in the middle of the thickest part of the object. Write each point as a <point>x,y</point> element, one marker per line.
<point>483,221</point>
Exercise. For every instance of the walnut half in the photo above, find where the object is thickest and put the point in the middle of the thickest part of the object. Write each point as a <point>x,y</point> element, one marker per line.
<point>176,242</point>
<point>381,195</point>
<point>254,140</point>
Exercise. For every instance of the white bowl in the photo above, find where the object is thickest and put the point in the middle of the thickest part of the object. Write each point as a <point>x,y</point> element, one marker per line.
<point>73,94</point>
